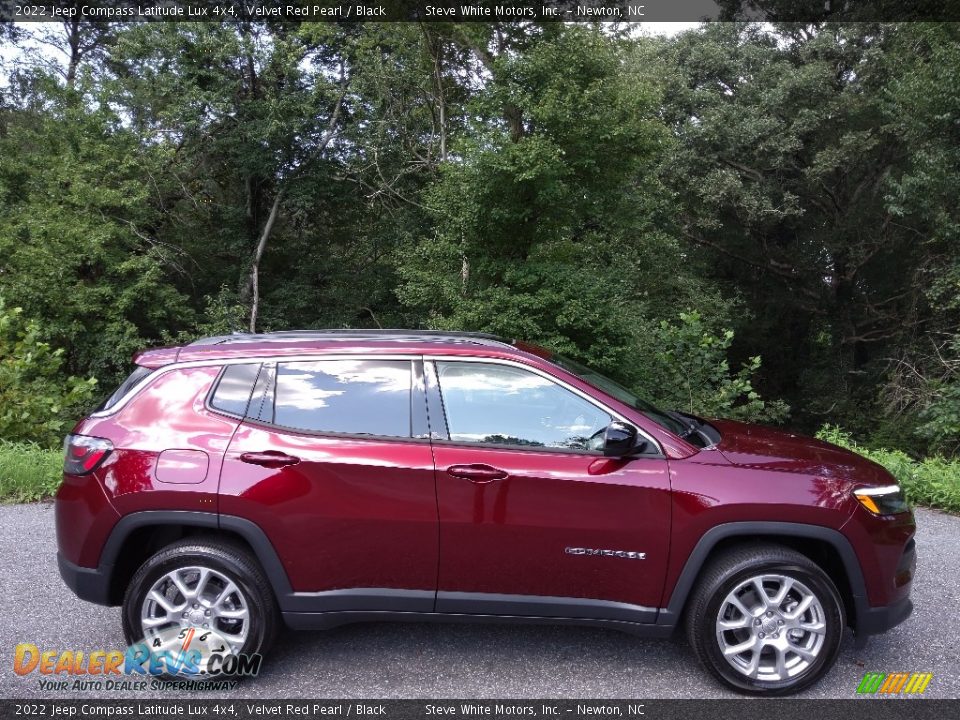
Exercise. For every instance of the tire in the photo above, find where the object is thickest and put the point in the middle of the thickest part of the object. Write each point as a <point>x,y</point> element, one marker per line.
<point>245,613</point>
<point>783,651</point>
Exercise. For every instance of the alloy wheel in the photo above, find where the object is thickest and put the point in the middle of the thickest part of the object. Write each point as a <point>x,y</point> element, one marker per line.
<point>197,597</point>
<point>771,628</point>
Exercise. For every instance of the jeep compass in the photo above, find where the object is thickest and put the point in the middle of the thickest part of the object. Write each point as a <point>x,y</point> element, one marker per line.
<point>317,478</point>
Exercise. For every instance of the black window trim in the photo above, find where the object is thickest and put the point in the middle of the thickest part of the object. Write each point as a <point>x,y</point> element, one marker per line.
<point>436,414</point>
<point>264,394</point>
<point>419,413</point>
<point>431,360</point>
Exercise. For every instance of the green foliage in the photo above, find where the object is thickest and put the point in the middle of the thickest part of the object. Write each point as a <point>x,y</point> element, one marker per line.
<point>816,170</point>
<point>552,227</point>
<point>37,402</point>
<point>792,185</point>
<point>939,421</point>
<point>923,387</point>
<point>934,481</point>
<point>78,249</point>
<point>686,367</point>
<point>28,472</point>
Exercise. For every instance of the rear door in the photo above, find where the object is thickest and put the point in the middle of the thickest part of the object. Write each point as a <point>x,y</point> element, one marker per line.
<point>333,462</point>
<point>533,519</point>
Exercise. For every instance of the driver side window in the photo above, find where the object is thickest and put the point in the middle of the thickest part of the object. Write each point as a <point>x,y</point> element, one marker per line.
<point>497,404</point>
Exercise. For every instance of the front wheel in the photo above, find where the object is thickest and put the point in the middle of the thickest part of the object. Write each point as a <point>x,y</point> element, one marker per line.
<point>765,620</point>
<point>208,597</point>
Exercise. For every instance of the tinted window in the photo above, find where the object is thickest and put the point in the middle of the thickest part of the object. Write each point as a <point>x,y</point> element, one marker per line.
<point>370,397</point>
<point>233,391</point>
<point>611,387</point>
<point>487,403</point>
<point>136,376</point>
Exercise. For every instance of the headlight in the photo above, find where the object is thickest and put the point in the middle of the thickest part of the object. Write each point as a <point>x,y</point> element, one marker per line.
<point>886,500</point>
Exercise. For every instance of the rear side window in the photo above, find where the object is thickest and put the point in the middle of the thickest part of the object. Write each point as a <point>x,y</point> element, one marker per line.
<point>233,391</point>
<point>136,376</point>
<point>368,397</point>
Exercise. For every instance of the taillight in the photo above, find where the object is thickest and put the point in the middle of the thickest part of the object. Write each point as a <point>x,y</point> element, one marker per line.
<point>83,454</point>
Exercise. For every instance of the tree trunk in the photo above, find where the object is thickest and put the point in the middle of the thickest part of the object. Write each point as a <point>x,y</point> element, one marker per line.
<point>254,283</point>
<point>255,266</point>
<point>464,274</point>
<point>73,44</point>
<point>441,100</point>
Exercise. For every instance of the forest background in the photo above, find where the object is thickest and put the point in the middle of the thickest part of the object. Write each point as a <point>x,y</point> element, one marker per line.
<point>757,221</point>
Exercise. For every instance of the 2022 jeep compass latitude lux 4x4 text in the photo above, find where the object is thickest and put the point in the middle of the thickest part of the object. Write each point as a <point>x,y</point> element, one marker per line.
<point>318,478</point>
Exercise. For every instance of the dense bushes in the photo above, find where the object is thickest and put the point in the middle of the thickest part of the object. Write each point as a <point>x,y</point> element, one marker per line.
<point>686,366</point>
<point>37,401</point>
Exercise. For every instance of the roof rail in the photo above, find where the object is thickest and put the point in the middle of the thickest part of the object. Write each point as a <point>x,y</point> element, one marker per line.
<point>355,334</point>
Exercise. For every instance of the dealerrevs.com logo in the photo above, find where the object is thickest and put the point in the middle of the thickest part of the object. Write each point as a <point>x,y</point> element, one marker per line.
<point>178,658</point>
<point>898,683</point>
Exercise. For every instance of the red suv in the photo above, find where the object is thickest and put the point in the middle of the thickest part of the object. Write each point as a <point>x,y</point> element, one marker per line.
<point>327,477</point>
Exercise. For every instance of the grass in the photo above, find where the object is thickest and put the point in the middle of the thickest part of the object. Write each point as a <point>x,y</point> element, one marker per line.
<point>933,481</point>
<point>28,472</point>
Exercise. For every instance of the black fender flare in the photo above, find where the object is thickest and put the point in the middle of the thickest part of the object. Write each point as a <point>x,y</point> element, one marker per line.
<point>246,529</point>
<point>755,530</point>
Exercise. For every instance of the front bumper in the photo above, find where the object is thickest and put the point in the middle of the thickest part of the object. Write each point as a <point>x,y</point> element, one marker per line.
<point>878,620</point>
<point>90,584</point>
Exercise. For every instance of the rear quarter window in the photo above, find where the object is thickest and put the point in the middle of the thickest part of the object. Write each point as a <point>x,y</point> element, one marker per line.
<point>136,376</point>
<point>232,394</point>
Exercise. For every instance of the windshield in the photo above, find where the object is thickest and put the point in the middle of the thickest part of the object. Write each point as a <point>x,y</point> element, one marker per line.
<point>615,389</point>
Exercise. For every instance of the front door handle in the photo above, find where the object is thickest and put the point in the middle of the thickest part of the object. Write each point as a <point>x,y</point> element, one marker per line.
<point>476,473</point>
<point>269,458</point>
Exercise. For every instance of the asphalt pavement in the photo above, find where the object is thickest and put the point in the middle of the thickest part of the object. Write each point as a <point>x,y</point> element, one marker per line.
<point>465,661</point>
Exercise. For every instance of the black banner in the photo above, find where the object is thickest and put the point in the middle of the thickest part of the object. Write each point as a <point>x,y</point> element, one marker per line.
<point>482,10</point>
<point>859,709</point>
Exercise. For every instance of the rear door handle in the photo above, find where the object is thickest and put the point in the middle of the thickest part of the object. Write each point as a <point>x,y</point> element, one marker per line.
<point>476,473</point>
<point>269,458</point>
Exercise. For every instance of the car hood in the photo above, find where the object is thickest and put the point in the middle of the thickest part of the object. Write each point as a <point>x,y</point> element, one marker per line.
<point>760,447</point>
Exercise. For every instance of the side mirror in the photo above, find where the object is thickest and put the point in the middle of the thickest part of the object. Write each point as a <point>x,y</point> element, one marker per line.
<point>620,440</point>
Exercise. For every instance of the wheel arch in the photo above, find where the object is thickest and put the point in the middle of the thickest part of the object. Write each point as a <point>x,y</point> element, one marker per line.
<point>138,535</point>
<point>829,548</point>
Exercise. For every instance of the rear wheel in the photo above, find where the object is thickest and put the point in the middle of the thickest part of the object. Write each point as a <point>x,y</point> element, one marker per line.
<point>205,595</point>
<point>765,621</point>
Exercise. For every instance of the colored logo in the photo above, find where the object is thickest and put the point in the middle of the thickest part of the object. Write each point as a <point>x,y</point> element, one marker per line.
<point>175,652</point>
<point>902,683</point>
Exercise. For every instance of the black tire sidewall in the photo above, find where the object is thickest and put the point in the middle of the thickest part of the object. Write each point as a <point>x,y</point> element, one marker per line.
<point>165,561</point>
<point>826,594</point>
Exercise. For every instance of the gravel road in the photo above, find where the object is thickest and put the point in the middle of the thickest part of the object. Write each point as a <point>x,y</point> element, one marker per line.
<point>460,661</point>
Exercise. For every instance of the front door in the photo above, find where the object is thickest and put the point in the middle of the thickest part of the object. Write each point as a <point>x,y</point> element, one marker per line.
<point>533,519</point>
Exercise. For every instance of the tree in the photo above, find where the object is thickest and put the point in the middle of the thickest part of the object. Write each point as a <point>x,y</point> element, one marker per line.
<point>263,101</point>
<point>36,400</point>
<point>785,161</point>
<point>922,388</point>
<point>78,247</point>
<point>550,222</point>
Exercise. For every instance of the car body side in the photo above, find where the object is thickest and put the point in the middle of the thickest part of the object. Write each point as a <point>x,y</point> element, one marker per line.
<point>175,472</point>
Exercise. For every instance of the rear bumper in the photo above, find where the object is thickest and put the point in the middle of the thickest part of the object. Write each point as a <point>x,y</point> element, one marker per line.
<point>90,584</point>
